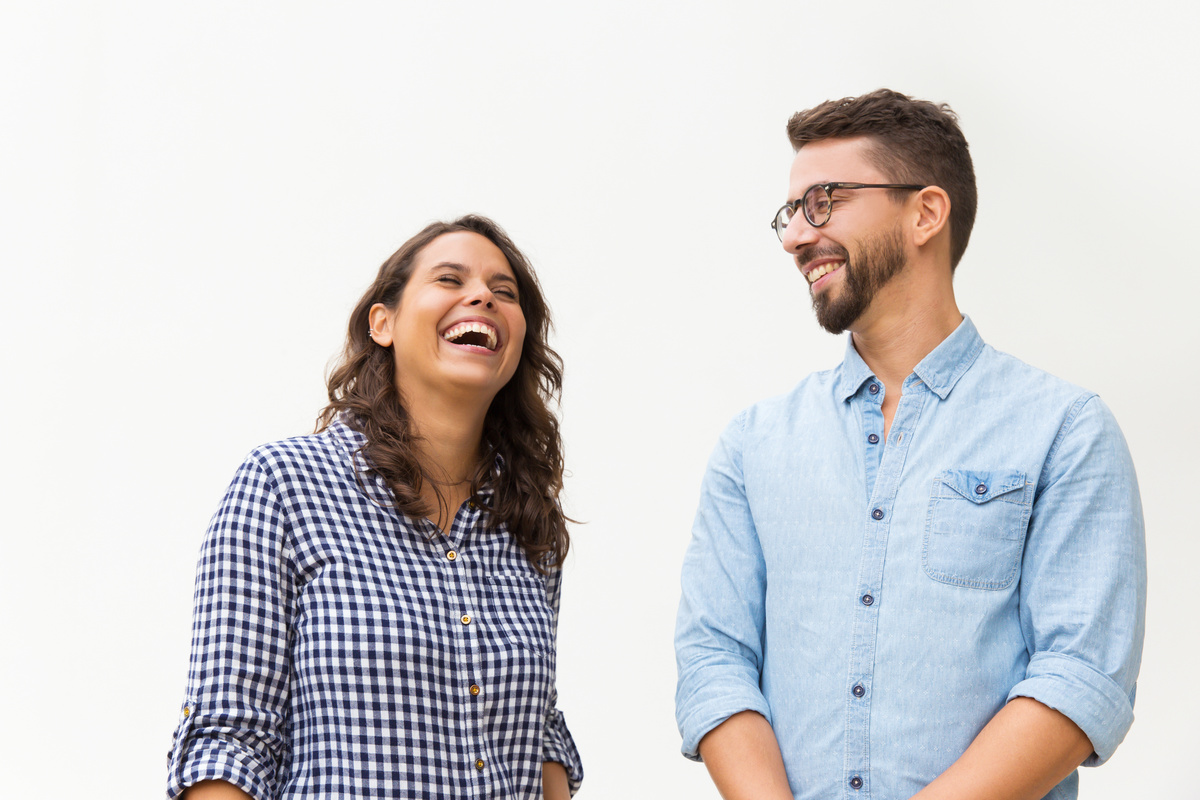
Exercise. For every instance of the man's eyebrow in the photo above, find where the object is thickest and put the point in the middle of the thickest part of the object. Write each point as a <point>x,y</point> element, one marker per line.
<point>461,268</point>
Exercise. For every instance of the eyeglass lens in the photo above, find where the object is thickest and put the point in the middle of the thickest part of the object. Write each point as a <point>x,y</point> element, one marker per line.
<point>817,206</point>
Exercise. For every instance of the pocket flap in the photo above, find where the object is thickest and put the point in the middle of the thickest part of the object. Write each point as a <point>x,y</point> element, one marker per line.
<point>980,486</point>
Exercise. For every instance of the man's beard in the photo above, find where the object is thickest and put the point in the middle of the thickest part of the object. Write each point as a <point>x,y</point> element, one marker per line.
<point>880,258</point>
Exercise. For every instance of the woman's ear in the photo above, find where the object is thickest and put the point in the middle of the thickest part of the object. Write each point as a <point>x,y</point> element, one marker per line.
<point>933,213</point>
<point>380,317</point>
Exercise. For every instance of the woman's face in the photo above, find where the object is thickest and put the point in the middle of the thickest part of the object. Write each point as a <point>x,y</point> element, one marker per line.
<point>459,327</point>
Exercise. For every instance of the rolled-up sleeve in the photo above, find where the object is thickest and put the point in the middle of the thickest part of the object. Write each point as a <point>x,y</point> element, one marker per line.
<point>719,628</point>
<point>557,743</point>
<point>1083,582</point>
<point>233,716</point>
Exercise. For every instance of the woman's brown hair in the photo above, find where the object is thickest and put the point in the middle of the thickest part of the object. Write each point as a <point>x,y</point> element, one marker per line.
<point>519,427</point>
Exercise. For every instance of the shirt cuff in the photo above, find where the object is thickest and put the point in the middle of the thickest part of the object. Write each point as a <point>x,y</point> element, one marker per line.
<point>558,746</point>
<point>196,757</point>
<point>710,705</point>
<point>1089,698</point>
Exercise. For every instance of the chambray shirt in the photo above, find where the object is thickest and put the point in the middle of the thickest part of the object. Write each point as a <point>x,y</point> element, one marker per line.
<point>340,649</point>
<point>878,602</point>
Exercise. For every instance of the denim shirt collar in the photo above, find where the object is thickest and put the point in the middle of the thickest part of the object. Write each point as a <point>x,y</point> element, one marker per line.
<point>939,370</point>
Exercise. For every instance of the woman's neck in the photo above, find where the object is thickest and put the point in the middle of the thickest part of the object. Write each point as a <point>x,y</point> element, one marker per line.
<point>449,438</point>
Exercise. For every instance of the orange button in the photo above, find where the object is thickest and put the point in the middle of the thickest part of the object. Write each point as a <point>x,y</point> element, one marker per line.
<point>466,619</point>
<point>452,555</point>
<point>474,689</point>
<point>479,764</point>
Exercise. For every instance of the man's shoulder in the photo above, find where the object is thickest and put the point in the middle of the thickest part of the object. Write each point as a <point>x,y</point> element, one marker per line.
<point>1017,377</point>
<point>817,390</point>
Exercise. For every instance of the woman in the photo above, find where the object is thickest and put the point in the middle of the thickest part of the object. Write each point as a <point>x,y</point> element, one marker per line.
<point>376,603</point>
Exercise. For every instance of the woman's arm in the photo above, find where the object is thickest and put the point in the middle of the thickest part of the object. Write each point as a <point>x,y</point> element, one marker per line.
<point>215,790</point>
<point>231,728</point>
<point>554,782</point>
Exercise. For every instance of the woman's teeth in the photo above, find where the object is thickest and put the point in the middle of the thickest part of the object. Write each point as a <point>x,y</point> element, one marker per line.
<point>462,330</point>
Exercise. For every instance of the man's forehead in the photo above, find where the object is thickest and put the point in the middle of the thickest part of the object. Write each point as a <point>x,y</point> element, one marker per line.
<point>833,160</point>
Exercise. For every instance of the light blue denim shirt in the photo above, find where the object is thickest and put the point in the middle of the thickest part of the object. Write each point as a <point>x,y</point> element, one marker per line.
<point>878,602</point>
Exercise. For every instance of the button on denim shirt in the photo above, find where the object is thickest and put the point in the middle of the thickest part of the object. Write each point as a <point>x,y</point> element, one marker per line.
<point>878,601</point>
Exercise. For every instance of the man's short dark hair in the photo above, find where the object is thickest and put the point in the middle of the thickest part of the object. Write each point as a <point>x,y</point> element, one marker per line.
<point>913,141</point>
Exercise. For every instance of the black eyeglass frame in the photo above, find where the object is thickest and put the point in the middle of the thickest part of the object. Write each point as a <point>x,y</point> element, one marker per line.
<point>829,189</point>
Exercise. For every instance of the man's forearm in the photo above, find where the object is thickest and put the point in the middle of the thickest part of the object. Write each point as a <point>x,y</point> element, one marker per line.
<point>742,756</point>
<point>1023,753</point>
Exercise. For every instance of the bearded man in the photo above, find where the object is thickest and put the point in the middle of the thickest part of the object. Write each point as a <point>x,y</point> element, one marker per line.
<point>921,573</point>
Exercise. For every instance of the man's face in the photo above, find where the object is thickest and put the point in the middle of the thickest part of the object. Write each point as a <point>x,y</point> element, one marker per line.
<point>849,259</point>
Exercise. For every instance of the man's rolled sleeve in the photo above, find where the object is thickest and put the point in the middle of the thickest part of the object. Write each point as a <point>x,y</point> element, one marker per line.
<point>719,629</point>
<point>1083,582</point>
<point>232,722</point>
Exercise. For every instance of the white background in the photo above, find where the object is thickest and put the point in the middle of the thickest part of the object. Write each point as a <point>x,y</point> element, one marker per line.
<point>192,196</point>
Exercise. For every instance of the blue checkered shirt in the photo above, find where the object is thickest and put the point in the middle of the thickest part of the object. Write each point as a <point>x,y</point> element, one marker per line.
<point>340,649</point>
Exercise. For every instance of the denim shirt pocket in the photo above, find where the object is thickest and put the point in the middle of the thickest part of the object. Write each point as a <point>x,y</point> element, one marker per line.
<point>520,609</point>
<point>975,532</point>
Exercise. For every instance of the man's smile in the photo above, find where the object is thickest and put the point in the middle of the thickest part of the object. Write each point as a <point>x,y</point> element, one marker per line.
<point>813,274</point>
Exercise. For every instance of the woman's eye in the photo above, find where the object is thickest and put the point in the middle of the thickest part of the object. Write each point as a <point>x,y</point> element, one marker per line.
<point>449,279</point>
<point>505,292</point>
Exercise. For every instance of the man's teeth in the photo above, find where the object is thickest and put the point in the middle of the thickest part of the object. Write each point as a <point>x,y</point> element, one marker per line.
<point>822,270</point>
<point>463,328</point>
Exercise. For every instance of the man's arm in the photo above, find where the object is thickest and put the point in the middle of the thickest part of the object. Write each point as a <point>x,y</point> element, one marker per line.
<point>742,756</point>
<point>1082,605</point>
<point>719,631</point>
<point>1023,753</point>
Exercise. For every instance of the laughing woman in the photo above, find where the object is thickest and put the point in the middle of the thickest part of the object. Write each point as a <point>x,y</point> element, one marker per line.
<point>376,604</point>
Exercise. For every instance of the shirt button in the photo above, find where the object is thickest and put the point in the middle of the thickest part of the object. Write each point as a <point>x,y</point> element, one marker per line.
<point>981,489</point>
<point>187,710</point>
<point>873,388</point>
<point>471,505</point>
<point>867,599</point>
<point>877,513</point>
<point>855,782</point>
<point>452,555</point>
<point>479,764</point>
<point>858,690</point>
<point>873,438</point>
<point>474,689</point>
<point>466,619</point>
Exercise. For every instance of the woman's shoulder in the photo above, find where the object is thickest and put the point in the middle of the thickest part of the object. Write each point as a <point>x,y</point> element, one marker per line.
<point>328,452</point>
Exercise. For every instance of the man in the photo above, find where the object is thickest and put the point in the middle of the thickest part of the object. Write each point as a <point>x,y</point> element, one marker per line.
<point>921,573</point>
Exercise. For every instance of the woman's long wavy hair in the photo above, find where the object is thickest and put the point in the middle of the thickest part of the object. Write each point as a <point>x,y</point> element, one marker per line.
<point>519,426</point>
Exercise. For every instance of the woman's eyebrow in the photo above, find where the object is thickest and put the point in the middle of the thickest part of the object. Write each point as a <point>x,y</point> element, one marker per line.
<point>461,268</point>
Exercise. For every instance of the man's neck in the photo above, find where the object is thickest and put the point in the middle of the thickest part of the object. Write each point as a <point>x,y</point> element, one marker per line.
<point>893,341</point>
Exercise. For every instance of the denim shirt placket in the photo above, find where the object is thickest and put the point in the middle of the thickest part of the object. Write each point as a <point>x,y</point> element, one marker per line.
<point>884,464</point>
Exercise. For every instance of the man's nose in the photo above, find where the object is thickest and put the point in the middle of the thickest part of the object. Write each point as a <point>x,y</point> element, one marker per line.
<point>798,234</point>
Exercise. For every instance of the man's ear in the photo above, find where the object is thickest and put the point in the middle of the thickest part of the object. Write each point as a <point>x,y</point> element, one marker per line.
<point>933,214</point>
<point>380,317</point>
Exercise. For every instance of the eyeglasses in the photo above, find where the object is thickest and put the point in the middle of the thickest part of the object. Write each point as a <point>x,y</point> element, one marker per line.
<point>817,203</point>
